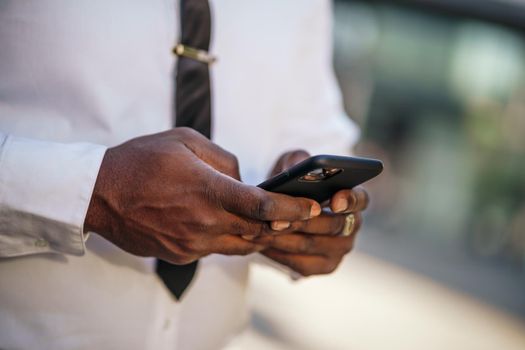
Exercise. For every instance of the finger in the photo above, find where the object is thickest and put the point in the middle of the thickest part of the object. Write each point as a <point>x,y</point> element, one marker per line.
<point>306,265</point>
<point>234,245</point>
<point>210,153</point>
<point>280,225</point>
<point>325,224</point>
<point>327,246</point>
<point>249,229</point>
<point>349,201</point>
<point>289,159</point>
<point>182,252</point>
<point>240,226</point>
<point>294,157</point>
<point>258,204</point>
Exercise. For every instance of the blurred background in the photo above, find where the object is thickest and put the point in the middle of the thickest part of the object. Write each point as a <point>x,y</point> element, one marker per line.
<point>438,88</point>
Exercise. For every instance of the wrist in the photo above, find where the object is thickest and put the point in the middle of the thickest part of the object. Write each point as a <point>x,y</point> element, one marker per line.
<point>97,216</point>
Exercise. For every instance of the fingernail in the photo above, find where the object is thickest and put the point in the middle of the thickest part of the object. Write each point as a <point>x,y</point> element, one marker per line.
<point>280,225</point>
<point>340,205</point>
<point>248,237</point>
<point>315,210</point>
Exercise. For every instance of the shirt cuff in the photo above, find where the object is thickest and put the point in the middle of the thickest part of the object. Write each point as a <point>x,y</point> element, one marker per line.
<point>45,190</point>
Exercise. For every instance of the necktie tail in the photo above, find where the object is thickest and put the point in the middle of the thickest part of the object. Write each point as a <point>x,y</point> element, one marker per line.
<point>193,109</point>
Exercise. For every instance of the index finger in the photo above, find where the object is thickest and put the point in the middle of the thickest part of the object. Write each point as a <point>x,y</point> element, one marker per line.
<point>255,203</point>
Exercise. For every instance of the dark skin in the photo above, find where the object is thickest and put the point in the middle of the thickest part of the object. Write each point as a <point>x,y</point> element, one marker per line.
<point>177,196</point>
<point>313,247</point>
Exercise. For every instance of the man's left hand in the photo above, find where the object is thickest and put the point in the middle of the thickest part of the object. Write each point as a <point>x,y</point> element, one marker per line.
<point>318,245</point>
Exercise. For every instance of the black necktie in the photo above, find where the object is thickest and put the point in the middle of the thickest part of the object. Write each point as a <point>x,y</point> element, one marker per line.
<point>193,105</point>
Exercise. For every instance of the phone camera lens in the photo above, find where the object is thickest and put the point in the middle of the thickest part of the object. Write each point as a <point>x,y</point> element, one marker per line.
<point>320,174</point>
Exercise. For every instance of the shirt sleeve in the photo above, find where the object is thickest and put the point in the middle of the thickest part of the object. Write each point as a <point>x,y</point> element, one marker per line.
<point>45,189</point>
<point>317,120</point>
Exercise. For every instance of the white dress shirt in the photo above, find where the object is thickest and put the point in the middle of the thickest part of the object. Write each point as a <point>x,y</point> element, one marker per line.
<point>79,76</point>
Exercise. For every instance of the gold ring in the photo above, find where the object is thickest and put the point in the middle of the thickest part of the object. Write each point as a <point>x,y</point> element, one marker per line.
<point>348,229</point>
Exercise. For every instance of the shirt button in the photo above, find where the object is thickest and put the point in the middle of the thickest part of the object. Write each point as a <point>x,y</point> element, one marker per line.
<point>41,243</point>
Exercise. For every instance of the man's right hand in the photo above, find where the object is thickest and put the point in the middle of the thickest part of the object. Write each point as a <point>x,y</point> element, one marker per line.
<point>177,196</point>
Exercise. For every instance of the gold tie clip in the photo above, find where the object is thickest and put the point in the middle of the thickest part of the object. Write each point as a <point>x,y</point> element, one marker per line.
<point>194,54</point>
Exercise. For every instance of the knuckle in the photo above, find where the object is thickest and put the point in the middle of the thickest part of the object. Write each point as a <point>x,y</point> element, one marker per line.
<point>295,157</point>
<point>177,252</point>
<point>247,250</point>
<point>262,229</point>
<point>233,166</point>
<point>363,197</point>
<point>184,131</point>
<point>307,243</point>
<point>329,267</point>
<point>305,272</point>
<point>301,268</point>
<point>301,153</point>
<point>182,259</point>
<point>189,247</point>
<point>207,224</point>
<point>158,158</point>
<point>265,208</point>
<point>231,159</point>
<point>337,224</point>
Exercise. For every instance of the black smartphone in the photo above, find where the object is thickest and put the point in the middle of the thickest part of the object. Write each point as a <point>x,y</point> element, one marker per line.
<point>320,177</point>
